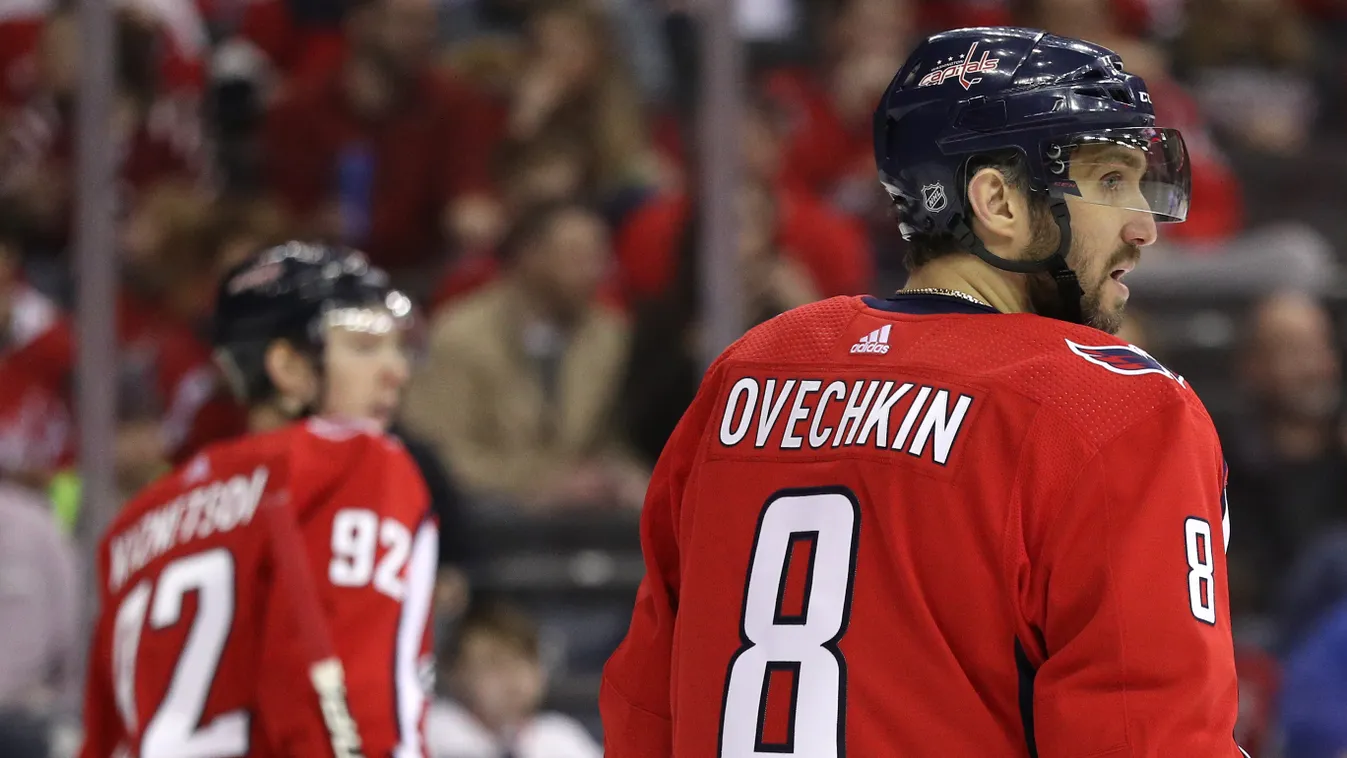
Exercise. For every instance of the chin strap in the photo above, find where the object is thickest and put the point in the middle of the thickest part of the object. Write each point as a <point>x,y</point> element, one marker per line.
<point>1069,291</point>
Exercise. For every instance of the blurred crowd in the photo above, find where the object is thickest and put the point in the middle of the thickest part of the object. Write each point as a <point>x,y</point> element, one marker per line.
<point>528,170</point>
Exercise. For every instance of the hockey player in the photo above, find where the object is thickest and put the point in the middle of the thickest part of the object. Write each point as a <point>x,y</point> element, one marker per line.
<point>239,591</point>
<point>963,520</point>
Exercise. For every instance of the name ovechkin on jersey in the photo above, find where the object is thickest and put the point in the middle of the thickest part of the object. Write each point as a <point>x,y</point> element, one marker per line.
<point>792,413</point>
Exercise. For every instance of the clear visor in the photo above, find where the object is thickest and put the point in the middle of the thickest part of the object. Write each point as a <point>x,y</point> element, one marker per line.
<point>1137,168</point>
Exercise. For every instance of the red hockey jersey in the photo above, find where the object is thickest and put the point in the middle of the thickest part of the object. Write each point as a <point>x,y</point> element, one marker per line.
<point>917,527</point>
<point>213,614</point>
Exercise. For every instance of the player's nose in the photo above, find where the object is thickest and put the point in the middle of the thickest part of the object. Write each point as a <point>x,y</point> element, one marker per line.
<point>1140,229</point>
<point>397,370</point>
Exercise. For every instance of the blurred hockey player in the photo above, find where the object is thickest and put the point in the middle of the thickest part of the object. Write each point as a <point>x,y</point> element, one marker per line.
<point>271,597</point>
<point>963,520</point>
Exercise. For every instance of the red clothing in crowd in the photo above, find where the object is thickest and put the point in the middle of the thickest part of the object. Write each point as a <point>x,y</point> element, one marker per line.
<point>416,161</point>
<point>830,246</point>
<point>164,372</point>
<point>298,48</point>
<point>182,39</point>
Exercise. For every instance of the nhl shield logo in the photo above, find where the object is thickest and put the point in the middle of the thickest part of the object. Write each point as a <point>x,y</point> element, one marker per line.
<point>934,197</point>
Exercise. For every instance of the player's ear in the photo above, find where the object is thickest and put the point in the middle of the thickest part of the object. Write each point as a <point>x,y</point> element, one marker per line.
<point>290,372</point>
<point>997,210</point>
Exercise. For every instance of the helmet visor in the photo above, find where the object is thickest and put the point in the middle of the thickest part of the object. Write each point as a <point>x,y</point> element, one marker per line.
<point>394,314</point>
<point>1137,168</point>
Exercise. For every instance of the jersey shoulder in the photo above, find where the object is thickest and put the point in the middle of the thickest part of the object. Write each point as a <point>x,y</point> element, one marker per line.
<point>216,462</point>
<point>805,334</point>
<point>327,456</point>
<point>1092,382</point>
<point>325,440</point>
<point>1095,382</point>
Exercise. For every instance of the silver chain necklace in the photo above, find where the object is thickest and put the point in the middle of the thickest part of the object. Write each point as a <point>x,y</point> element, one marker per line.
<point>945,292</point>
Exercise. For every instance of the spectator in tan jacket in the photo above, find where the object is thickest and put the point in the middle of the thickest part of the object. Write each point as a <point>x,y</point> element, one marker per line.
<point>519,387</point>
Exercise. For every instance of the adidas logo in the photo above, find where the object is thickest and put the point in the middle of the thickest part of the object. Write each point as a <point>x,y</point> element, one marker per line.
<point>874,342</point>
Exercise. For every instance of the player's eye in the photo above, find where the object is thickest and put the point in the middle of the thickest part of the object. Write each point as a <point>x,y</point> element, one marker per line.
<point>1112,182</point>
<point>366,344</point>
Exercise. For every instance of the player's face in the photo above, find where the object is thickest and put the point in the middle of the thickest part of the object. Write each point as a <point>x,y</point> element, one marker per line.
<point>1106,239</point>
<point>366,366</point>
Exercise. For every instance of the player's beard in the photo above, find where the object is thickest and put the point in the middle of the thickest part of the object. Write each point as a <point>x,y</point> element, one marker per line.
<point>1042,288</point>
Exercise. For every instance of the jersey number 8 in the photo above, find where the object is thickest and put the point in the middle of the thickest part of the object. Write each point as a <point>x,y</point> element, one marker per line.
<point>790,656</point>
<point>1201,569</point>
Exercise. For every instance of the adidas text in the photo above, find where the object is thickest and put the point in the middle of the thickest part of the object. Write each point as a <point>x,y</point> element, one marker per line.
<point>876,342</point>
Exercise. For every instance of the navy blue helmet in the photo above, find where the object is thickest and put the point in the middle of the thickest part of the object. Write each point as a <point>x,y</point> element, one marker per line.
<point>980,91</point>
<point>295,292</point>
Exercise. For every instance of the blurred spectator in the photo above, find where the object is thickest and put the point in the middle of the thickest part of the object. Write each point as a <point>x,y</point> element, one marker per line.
<point>180,44</point>
<point>467,22</point>
<point>239,227</point>
<point>155,135</point>
<point>1288,481</point>
<point>167,254</point>
<point>803,240</point>
<point>34,422</point>
<point>1314,695</point>
<point>574,84</point>
<point>384,153</point>
<point>299,40</point>
<point>1241,52</point>
<point>39,602</point>
<point>24,312</point>
<point>170,399</point>
<point>1315,584</point>
<point>549,169</point>
<point>830,110</point>
<point>496,676</point>
<point>518,391</point>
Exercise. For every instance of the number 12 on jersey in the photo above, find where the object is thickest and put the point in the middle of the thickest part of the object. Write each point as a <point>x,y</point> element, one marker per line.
<point>785,690</point>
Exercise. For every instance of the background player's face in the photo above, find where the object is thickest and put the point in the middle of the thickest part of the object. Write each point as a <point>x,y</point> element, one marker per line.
<point>365,370</point>
<point>1106,241</point>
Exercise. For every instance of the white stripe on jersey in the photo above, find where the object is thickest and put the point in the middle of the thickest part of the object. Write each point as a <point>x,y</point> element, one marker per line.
<point>416,603</point>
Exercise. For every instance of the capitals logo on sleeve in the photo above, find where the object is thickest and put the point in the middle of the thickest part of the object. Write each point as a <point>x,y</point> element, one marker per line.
<point>1128,360</point>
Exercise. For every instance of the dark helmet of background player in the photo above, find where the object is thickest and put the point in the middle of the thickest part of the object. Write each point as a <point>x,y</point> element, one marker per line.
<point>969,93</point>
<point>289,292</point>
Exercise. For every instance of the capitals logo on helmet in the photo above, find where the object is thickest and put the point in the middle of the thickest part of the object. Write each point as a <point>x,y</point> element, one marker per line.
<point>1128,360</point>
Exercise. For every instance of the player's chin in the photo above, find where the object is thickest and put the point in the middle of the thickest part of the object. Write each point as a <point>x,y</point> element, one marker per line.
<point>382,415</point>
<point>1106,313</point>
<point>1108,320</point>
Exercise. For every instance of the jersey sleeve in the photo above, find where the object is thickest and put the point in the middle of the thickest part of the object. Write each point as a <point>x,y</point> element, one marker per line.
<point>372,548</point>
<point>634,695</point>
<point>1132,609</point>
<point>302,697</point>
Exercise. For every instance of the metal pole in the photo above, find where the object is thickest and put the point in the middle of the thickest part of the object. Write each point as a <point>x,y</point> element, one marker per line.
<point>95,273</point>
<point>722,82</point>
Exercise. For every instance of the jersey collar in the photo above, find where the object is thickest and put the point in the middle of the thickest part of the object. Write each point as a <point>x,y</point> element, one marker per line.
<point>925,304</point>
